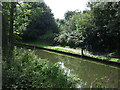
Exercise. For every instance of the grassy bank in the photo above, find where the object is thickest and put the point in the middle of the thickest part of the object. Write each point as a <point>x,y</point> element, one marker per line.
<point>70,51</point>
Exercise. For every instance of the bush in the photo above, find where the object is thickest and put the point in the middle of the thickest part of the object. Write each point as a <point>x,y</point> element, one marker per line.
<point>29,71</point>
<point>69,38</point>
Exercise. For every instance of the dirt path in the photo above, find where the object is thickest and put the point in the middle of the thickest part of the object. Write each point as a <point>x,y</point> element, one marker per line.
<point>74,50</point>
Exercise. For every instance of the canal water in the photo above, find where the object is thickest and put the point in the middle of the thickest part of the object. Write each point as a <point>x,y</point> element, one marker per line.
<point>90,72</point>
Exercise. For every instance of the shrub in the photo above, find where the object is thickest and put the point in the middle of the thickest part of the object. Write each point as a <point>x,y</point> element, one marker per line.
<point>69,38</point>
<point>29,71</point>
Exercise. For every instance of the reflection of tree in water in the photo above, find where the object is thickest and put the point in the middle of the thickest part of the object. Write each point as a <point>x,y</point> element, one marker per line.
<point>70,73</point>
<point>101,82</point>
<point>67,62</point>
<point>90,71</point>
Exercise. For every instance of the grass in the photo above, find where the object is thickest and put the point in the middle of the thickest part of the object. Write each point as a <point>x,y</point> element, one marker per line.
<point>43,45</point>
<point>105,58</point>
<point>52,47</point>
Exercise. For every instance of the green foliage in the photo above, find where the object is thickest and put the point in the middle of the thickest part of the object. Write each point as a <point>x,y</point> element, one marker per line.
<point>28,71</point>
<point>30,20</point>
<point>98,28</point>
<point>41,22</point>
<point>21,19</point>
<point>69,38</point>
<point>7,28</point>
<point>48,37</point>
<point>69,14</point>
<point>75,29</point>
<point>106,33</point>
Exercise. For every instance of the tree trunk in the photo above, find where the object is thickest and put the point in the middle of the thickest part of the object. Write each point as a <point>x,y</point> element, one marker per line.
<point>11,35</point>
<point>82,54</point>
<point>4,41</point>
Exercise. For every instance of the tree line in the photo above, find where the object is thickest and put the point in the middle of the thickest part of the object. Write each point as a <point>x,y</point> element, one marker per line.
<point>96,29</point>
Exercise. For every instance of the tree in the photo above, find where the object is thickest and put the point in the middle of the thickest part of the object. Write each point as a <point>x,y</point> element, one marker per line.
<point>7,31</point>
<point>41,22</point>
<point>12,21</point>
<point>78,23</point>
<point>106,21</point>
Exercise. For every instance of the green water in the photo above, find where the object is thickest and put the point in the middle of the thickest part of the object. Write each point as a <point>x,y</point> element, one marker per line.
<point>88,71</point>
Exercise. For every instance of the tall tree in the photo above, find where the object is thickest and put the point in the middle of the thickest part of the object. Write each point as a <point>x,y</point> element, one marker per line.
<point>41,22</point>
<point>107,30</point>
<point>7,30</point>
<point>11,35</point>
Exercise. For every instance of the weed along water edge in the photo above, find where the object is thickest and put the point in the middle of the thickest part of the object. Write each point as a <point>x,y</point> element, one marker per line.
<point>91,73</point>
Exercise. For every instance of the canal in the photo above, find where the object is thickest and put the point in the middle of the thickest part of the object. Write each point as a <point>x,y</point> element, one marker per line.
<point>90,72</point>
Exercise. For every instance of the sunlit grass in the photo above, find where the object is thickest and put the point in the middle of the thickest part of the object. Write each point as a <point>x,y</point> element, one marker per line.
<point>73,52</point>
<point>105,58</point>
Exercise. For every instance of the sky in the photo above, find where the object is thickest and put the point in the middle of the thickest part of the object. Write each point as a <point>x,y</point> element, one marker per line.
<point>59,7</point>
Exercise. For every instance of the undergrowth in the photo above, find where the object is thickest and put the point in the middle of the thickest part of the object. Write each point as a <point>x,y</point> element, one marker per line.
<point>29,71</point>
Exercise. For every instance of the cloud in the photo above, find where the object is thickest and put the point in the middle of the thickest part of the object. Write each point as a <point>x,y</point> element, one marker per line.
<point>59,7</point>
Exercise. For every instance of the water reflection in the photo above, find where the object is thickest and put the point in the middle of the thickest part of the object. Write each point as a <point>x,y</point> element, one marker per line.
<point>69,72</point>
<point>88,71</point>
